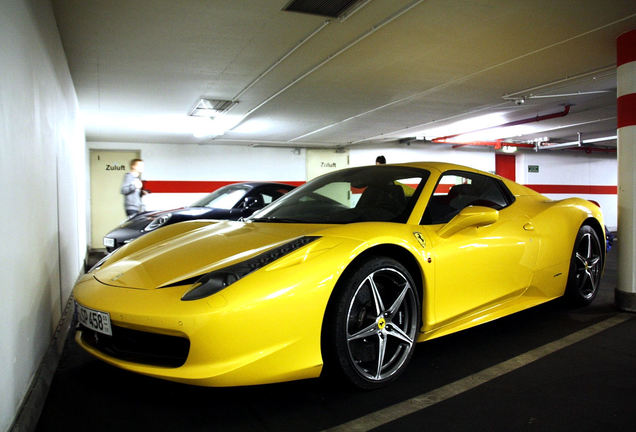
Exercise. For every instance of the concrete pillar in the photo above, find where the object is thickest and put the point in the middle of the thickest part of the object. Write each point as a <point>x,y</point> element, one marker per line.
<point>626,107</point>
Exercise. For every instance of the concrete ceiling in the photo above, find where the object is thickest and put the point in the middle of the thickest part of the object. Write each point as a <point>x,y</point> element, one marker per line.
<point>390,70</point>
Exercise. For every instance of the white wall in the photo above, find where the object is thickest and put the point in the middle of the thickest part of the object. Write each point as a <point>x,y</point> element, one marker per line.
<point>210,163</point>
<point>573,168</point>
<point>244,163</point>
<point>42,177</point>
<point>483,159</point>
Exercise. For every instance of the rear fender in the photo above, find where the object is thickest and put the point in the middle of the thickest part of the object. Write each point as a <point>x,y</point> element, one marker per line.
<point>557,226</point>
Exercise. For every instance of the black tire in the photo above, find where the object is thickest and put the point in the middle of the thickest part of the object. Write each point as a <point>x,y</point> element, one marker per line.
<point>372,324</point>
<point>586,266</point>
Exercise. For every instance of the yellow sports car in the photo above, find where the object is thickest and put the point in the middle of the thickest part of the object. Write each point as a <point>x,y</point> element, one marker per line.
<point>340,276</point>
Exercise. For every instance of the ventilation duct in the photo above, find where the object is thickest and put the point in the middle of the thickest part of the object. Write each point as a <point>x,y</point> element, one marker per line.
<point>327,8</point>
<point>211,107</point>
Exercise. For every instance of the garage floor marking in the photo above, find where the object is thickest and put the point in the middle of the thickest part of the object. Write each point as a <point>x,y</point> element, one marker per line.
<point>441,394</point>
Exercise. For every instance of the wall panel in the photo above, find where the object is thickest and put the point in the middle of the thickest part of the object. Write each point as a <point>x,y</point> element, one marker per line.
<point>42,225</point>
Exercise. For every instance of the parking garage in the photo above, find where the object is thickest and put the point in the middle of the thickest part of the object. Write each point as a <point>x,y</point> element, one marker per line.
<point>211,94</point>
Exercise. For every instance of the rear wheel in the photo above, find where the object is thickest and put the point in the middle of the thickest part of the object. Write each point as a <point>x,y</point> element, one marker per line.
<point>373,323</point>
<point>586,266</point>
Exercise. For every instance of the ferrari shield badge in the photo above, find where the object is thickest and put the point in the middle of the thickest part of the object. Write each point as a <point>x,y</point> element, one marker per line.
<point>420,238</point>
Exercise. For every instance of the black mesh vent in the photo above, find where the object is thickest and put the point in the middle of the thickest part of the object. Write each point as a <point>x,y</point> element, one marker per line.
<point>138,346</point>
<point>328,8</point>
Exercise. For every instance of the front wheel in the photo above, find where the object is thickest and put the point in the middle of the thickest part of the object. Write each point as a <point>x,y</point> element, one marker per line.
<point>373,323</point>
<point>586,266</point>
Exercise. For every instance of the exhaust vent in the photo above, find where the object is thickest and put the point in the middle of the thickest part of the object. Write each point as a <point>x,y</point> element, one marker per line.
<point>327,8</point>
<point>211,107</point>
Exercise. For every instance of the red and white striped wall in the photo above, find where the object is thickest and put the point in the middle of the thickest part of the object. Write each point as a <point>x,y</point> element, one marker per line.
<point>560,175</point>
<point>180,174</point>
<point>626,115</point>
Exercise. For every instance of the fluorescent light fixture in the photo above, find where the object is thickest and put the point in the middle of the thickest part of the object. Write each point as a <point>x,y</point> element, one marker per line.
<point>211,117</point>
<point>464,126</point>
<point>169,124</point>
<point>204,127</point>
<point>208,127</point>
<point>136,123</point>
<point>496,133</point>
<point>508,149</point>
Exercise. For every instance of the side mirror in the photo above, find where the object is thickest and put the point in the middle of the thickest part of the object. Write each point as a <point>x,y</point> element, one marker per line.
<point>471,216</point>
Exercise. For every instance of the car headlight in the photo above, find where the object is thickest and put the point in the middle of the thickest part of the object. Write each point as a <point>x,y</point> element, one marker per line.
<point>157,222</point>
<point>217,280</point>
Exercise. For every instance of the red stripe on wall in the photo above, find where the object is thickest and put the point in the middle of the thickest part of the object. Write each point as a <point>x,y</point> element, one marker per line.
<point>174,186</point>
<point>626,48</point>
<point>626,110</point>
<point>575,189</point>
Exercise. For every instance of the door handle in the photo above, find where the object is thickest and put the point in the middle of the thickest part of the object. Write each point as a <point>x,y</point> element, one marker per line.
<point>528,227</point>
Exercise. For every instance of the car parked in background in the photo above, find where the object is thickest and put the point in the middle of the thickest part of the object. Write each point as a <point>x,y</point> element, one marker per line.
<point>230,202</point>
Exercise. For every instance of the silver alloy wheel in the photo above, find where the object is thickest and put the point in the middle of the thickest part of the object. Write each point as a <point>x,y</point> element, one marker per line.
<point>381,324</point>
<point>587,265</point>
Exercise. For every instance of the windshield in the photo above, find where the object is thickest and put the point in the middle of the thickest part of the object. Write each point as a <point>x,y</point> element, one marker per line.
<point>223,198</point>
<point>381,193</point>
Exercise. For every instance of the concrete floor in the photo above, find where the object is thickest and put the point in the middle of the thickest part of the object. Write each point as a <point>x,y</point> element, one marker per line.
<point>586,386</point>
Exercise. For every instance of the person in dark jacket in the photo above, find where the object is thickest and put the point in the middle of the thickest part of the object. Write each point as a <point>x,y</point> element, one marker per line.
<point>132,188</point>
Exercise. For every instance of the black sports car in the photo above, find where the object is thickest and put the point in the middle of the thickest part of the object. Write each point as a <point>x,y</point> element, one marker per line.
<point>232,202</point>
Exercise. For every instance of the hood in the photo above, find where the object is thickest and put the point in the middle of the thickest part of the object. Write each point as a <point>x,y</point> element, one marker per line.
<point>142,219</point>
<point>196,252</point>
<point>193,212</point>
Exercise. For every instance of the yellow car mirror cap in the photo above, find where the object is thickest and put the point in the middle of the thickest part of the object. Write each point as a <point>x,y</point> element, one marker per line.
<point>471,216</point>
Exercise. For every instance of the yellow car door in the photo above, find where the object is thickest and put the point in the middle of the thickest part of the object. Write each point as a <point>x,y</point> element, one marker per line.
<point>482,245</point>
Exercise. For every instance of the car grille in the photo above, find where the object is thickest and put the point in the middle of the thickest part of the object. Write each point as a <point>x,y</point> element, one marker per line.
<point>139,346</point>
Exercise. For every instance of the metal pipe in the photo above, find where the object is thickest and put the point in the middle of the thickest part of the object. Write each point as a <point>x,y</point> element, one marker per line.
<point>330,57</point>
<point>516,95</point>
<point>280,60</point>
<point>536,118</point>
<point>496,144</point>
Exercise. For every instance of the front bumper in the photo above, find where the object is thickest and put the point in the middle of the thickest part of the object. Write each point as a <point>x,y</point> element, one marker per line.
<point>137,346</point>
<point>250,333</point>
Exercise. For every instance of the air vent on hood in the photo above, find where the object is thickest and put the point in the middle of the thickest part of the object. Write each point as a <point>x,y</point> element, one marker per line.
<point>329,8</point>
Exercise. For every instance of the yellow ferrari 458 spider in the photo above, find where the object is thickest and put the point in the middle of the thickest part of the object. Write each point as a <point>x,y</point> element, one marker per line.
<point>342,275</point>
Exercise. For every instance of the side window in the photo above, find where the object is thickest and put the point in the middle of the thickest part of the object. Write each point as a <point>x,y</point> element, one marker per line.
<point>267,195</point>
<point>458,189</point>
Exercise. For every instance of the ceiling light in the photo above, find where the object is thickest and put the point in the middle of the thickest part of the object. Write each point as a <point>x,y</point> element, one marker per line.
<point>209,127</point>
<point>495,133</point>
<point>465,126</point>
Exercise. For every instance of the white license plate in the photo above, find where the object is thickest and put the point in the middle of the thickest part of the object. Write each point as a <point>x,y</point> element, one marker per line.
<point>109,242</point>
<point>94,320</point>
